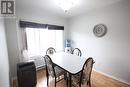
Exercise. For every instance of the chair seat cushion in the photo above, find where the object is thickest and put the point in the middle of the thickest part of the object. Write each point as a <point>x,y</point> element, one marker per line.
<point>76,78</point>
<point>59,71</point>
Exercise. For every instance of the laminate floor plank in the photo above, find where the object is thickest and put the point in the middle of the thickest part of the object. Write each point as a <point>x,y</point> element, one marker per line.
<point>97,80</point>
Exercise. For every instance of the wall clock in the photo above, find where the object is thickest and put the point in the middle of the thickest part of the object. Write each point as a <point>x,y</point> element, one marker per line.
<point>100,30</point>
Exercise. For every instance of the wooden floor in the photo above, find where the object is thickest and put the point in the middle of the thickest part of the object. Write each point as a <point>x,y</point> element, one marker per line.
<point>97,80</point>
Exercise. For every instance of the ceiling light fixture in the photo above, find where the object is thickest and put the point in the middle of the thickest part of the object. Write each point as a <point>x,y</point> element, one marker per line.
<point>66,5</point>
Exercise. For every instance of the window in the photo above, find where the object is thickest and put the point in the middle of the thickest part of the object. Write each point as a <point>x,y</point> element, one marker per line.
<point>38,40</point>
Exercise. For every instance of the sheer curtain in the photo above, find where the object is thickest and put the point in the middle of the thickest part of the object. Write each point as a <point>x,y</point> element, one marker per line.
<point>38,40</point>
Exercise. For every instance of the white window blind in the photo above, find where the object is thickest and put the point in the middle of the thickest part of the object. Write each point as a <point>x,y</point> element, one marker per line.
<point>38,40</point>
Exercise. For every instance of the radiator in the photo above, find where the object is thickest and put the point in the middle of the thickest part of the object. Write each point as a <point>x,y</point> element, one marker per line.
<point>39,61</point>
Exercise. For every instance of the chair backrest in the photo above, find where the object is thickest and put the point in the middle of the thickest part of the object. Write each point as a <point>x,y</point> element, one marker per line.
<point>50,51</point>
<point>86,70</point>
<point>49,65</point>
<point>77,52</point>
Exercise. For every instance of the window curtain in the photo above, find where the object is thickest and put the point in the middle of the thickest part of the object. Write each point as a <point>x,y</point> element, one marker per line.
<point>39,40</point>
<point>24,39</point>
<point>25,24</point>
<point>22,42</point>
<point>54,27</point>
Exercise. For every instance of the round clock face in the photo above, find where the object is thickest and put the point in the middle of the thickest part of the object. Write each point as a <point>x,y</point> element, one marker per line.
<point>99,30</point>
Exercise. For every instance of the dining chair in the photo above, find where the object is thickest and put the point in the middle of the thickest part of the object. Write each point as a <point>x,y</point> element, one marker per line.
<point>53,71</point>
<point>77,52</point>
<point>50,51</point>
<point>85,74</point>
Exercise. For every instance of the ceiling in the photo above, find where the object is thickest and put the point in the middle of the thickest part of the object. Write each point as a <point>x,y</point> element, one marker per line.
<point>50,6</point>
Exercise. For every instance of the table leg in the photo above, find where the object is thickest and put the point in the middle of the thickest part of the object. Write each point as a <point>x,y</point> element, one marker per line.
<point>69,80</point>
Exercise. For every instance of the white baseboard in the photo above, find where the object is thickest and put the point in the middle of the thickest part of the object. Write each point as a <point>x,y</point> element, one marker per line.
<point>39,68</point>
<point>116,78</point>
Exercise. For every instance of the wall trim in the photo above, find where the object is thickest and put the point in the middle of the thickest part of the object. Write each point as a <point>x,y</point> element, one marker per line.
<point>113,77</point>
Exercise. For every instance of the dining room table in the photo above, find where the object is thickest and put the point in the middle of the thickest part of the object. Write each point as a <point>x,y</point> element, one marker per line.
<point>71,63</point>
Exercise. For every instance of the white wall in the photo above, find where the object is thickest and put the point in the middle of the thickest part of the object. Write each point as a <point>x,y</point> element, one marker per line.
<point>111,52</point>
<point>13,31</point>
<point>12,44</point>
<point>4,64</point>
